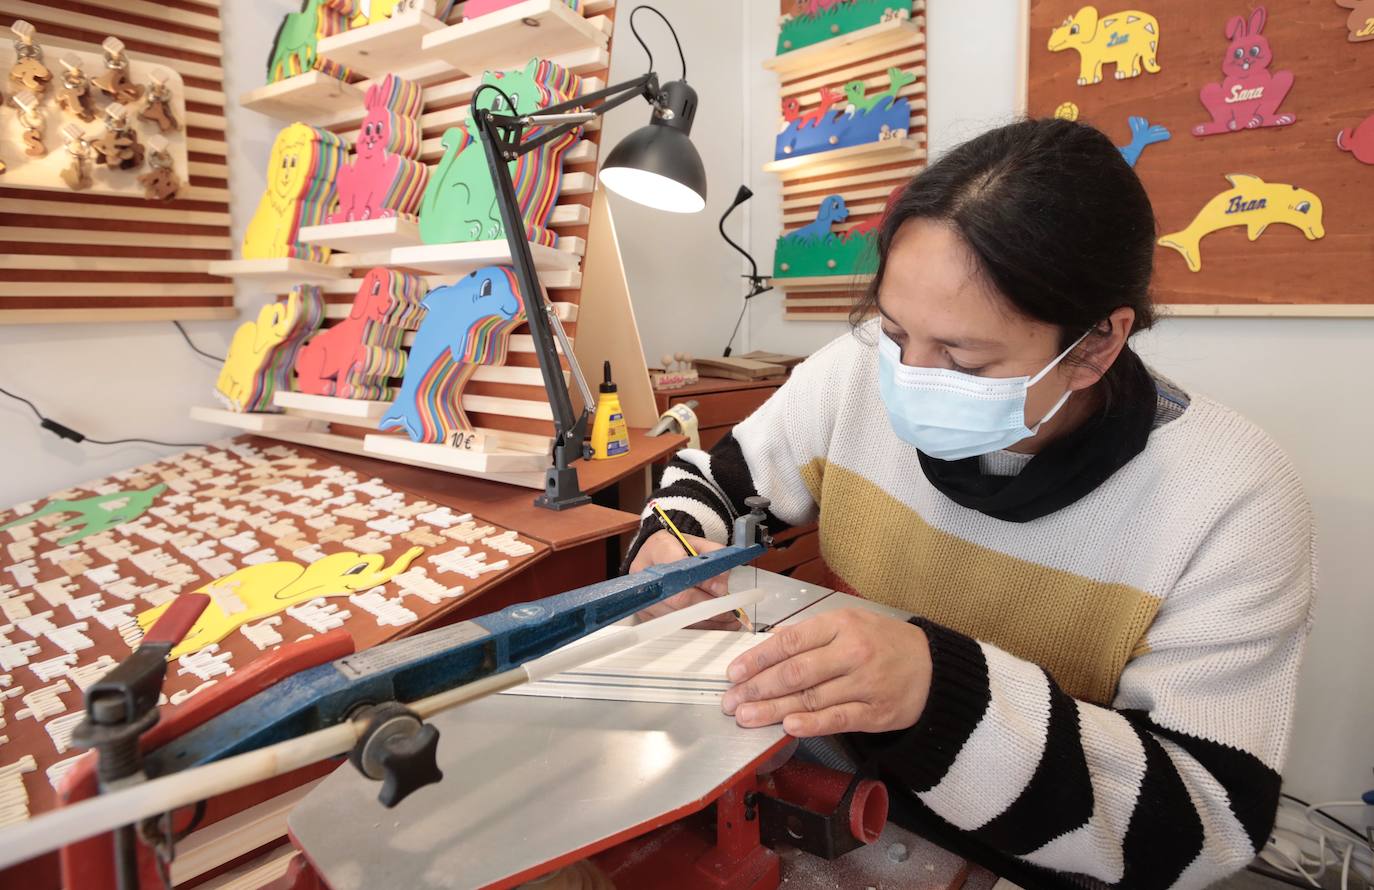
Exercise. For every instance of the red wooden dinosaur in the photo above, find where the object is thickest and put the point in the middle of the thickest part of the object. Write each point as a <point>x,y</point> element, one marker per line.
<point>814,117</point>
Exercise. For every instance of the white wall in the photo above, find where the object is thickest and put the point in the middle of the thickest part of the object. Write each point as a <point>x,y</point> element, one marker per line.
<point>1305,381</point>
<point>120,380</point>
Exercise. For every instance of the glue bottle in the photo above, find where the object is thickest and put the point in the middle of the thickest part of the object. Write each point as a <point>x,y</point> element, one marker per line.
<point>610,438</point>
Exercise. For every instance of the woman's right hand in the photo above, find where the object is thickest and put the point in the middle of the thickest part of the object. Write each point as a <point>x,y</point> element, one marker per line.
<point>661,548</point>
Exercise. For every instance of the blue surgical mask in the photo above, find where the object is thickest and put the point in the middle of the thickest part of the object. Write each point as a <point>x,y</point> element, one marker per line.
<point>951,415</point>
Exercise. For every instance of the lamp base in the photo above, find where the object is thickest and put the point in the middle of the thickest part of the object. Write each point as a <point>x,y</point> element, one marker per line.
<point>561,490</point>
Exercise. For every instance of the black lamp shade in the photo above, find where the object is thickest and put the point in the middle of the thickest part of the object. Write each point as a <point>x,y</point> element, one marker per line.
<point>657,165</point>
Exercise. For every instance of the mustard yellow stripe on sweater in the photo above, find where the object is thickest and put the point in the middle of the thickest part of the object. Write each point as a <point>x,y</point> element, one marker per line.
<point>1081,630</point>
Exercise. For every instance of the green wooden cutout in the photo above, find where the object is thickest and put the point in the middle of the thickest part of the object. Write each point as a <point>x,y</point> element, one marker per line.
<point>814,21</point>
<point>94,514</point>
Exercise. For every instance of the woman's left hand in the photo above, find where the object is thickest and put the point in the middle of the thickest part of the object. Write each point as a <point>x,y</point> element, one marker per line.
<point>850,670</point>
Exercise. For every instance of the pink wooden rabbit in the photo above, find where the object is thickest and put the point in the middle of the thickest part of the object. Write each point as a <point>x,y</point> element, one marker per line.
<point>1250,95</point>
<point>385,178</point>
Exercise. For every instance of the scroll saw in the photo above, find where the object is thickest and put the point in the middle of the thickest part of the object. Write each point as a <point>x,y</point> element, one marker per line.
<point>382,706</point>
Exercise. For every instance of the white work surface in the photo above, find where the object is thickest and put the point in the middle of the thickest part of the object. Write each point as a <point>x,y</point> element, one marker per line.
<point>530,781</point>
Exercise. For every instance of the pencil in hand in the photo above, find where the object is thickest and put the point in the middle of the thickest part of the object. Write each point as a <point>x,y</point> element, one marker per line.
<point>691,551</point>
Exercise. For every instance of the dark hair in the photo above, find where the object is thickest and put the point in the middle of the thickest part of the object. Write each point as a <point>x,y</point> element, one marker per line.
<point>1058,221</point>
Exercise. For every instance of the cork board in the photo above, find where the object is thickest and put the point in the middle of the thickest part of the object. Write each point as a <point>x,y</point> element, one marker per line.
<point>1281,273</point>
<point>250,518</point>
<point>85,257</point>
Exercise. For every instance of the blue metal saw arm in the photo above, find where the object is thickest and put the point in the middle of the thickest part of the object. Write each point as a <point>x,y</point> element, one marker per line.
<point>428,663</point>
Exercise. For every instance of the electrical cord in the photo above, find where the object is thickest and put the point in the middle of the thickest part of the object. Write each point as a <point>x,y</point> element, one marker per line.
<point>671,30</point>
<point>1317,808</point>
<point>194,348</point>
<point>65,432</point>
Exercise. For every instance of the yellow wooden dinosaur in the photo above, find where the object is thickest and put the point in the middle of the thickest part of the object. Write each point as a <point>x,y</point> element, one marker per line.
<point>256,592</point>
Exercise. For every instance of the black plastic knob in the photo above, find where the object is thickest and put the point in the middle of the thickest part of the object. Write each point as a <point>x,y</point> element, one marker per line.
<point>410,763</point>
<point>400,749</point>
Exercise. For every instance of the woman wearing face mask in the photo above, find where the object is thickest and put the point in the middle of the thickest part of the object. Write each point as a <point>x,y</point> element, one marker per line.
<point>1111,576</point>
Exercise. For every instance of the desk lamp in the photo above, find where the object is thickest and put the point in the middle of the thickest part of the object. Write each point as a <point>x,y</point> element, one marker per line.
<point>656,165</point>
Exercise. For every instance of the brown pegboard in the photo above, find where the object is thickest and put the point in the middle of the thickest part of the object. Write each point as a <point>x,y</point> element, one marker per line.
<point>1281,273</point>
<point>74,256</point>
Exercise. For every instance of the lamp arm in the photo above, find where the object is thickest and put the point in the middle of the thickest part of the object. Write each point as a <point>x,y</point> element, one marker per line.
<point>570,427</point>
<point>645,85</point>
<point>754,277</point>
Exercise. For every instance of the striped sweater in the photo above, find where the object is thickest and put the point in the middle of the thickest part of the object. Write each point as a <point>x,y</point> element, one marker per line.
<point>1113,684</point>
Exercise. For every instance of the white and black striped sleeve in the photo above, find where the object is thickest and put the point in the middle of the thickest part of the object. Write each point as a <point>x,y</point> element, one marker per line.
<point>764,455</point>
<point>1173,786</point>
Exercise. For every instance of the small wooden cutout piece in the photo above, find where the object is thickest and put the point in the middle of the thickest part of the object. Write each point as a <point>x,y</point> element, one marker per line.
<point>32,121</point>
<point>160,183</point>
<point>158,108</point>
<point>78,175</point>
<point>74,90</point>
<point>1249,96</point>
<point>115,82</point>
<point>29,72</point>
<point>1128,40</point>
<point>118,146</point>
<point>1361,20</point>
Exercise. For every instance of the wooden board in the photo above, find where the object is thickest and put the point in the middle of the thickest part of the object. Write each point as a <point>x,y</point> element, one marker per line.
<point>864,175</point>
<point>225,506</point>
<point>1281,268</point>
<point>86,227</point>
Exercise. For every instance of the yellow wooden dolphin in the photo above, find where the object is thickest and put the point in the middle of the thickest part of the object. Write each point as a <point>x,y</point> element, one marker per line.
<point>1253,203</point>
<point>255,592</point>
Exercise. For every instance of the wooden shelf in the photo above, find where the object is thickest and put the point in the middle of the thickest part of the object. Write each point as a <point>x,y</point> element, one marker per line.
<point>253,421</point>
<point>288,271</point>
<point>507,38</point>
<point>802,284</point>
<point>384,233</point>
<point>331,409</point>
<point>387,47</point>
<point>464,256</point>
<point>888,151</point>
<point>866,43</point>
<point>311,98</point>
<point>517,467</point>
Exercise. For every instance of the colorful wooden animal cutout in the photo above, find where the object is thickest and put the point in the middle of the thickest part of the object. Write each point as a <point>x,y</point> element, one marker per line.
<point>1143,135</point>
<point>74,90</point>
<point>1253,203</point>
<point>294,47</point>
<point>115,82</point>
<point>818,249</point>
<point>356,358</point>
<point>261,591</point>
<point>459,203</point>
<point>475,8</point>
<point>1250,95</point>
<point>95,514</point>
<point>1358,140</point>
<point>812,21</point>
<point>1361,20</point>
<point>466,325</point>
<point>860,118</point>
<point>386,177</point>
<point>263,351</point>
<point>1128,39</point>
<point>301,173</point>
<point>28,72</point>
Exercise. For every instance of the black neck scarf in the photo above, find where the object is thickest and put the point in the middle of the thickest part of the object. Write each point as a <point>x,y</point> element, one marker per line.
<point>1067,469</point>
